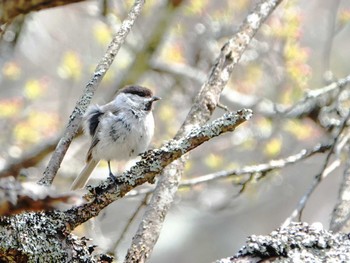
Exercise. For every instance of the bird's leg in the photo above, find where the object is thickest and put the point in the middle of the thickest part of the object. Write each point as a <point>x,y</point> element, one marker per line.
<point>111,175</point>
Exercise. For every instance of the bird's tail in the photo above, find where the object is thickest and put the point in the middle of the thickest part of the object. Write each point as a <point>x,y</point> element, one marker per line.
<point>84,175</point>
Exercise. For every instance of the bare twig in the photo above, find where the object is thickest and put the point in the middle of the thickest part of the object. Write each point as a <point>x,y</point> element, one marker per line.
<point>31,158</point>
<point>311,102</point>
<point>262,168</point>
<point>313,99</point>
<point>341,215</point>
<point>326,170</point>
<point>126,228</point>
<point>84,101</point>
<point>202,109</point>
<point>152,163</point>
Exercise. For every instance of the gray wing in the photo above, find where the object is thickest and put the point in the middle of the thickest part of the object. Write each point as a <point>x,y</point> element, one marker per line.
<point>92,119</point>
<point>94,142</point>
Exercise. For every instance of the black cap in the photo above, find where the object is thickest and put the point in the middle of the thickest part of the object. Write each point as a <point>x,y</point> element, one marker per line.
<point>137,90</point>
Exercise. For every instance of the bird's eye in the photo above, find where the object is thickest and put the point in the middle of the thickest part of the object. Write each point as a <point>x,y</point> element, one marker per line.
<point>148,106</point>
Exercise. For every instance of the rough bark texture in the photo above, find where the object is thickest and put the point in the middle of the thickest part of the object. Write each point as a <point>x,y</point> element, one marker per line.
<point>41,237</point>
<point>298,242</point>
<point>45,236</point>
<point>152,163</point>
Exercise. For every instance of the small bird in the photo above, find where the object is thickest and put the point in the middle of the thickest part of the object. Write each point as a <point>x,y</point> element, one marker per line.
<point>119,130</point>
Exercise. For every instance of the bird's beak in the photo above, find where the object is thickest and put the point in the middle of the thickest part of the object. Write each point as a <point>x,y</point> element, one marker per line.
<point>155,98</point>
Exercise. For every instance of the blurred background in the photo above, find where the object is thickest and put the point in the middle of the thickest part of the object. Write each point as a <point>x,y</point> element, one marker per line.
<point>47,58</point>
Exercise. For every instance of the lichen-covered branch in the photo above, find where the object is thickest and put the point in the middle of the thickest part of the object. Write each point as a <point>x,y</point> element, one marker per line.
<point>200,112</point>
<point>41,237</point>
<point>152,163</point>
<point>46,237</point>
<point>84,101</point>
<point>297,242</point>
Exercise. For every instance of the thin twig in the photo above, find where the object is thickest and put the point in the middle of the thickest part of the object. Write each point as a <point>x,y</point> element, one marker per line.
<point>31,158</point>
<point>263,169</point>
<point>126,228</point>
<point>260,168</point>
<point>341,215</point>
<point>326,170</point>
<point>84,101</point>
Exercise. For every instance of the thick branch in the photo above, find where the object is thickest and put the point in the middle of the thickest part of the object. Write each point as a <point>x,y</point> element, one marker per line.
<point>40,237</point>
<point>152,163</point>
<point>202,109</point>
<point>9,9</point>
<point>84,101</point>
<point>298,242</point>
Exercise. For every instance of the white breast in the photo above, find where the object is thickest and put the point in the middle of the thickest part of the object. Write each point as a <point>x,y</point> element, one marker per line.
<point>123,136</point>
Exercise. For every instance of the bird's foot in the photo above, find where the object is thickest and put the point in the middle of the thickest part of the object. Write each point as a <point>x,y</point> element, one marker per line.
<point>113,178</point>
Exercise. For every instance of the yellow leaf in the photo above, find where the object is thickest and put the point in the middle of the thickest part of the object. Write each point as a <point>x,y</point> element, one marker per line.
<point>213,161</point>
<point>196,7</point>
<point>33,89</point>
<point>166,112</point>
<point>37,126</point>
<point>11,70</point>
<point>299,129</point>
<point>344,16</point>
<point>102,34</point>
<point>174,54</point>
<point>10,107</point>
<point>273,147</point>
<point>70,66</point>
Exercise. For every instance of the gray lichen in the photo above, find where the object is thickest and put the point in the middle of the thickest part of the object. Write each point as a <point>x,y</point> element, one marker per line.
<point>41,237</point>
<point>298,242</point>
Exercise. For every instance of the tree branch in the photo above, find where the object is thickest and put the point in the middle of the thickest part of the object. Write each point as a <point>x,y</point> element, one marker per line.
<point>298,242</point>
<point>202,109</point>
<point>152,163</point>
<point>262,168</point>
<point>76,116</point>
<point>12,8</point>
<point>340,216</point>
<point>337,146</point>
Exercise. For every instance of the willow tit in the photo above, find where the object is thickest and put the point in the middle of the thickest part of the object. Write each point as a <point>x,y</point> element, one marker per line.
<point>119,130</point>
